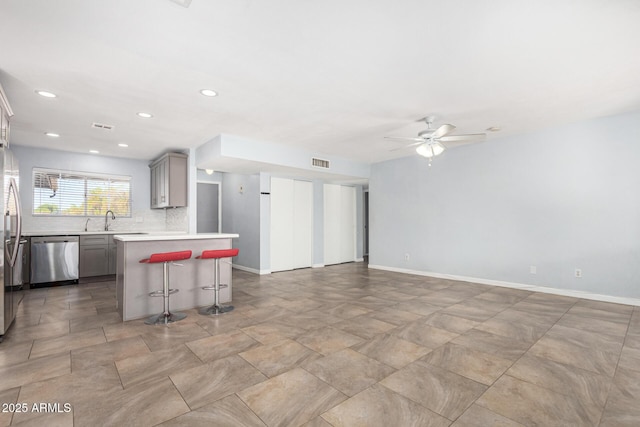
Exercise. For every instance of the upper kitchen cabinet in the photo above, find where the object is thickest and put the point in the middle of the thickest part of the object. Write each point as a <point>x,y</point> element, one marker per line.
<point>5,114</point>
<point>169,181</point>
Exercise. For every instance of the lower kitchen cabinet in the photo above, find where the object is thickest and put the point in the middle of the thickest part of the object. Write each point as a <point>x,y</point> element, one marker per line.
<point>112,255</point>
<point>95,255</point>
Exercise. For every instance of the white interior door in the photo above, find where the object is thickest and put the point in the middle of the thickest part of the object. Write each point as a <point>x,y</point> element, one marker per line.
<point>347,224</point>
<point>339,224</point>
<point>302,224</point>
<point>291,224</point>
<point>331,224</point>
<point>282,214</point>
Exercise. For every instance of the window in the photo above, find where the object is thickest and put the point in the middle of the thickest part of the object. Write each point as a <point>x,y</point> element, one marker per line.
<point>66,193</point>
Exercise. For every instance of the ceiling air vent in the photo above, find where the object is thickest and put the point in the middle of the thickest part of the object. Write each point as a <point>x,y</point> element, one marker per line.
<point>319,163</point>
<point>102,126</point>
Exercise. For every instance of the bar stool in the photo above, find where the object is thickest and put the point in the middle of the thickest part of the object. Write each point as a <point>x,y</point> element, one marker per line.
<point>216,308</point>
<point>165,258</point>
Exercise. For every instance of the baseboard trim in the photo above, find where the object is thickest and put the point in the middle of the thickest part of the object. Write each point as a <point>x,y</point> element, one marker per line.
<point>359,260</point>
<point>251,270</point>
<point>533,288</point>
<point>262,272</point>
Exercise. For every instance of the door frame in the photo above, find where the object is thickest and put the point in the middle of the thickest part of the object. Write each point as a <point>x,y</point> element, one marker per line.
<point>365,223</point>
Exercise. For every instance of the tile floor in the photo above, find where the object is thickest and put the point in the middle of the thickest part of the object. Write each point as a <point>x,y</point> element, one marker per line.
<point>340,346</point>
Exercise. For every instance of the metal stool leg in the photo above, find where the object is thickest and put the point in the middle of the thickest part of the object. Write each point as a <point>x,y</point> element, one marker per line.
<point>166,316</point>
<point>216,308</point>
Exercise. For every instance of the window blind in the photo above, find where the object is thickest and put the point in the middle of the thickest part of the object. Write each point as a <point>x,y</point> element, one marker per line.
<point>67,193</point>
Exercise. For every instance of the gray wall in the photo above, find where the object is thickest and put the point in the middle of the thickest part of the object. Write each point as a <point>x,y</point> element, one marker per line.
<point>249,215</point>
<point>203,176</point>
<point>29,158</point>
<point>265,222</point>
<point>560,199</point>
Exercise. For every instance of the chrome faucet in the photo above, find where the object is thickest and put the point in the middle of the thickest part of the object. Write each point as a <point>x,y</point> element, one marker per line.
<point>106,219</point>
<point>86,224</point>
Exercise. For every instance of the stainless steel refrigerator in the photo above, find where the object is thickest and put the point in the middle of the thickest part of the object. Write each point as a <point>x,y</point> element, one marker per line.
<point>11,262</point>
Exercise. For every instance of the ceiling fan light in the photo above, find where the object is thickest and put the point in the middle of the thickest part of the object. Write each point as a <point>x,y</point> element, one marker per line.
<point>430,149</point>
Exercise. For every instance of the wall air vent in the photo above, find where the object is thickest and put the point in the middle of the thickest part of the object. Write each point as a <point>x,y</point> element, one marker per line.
<point>102,126</point>
<point>319,163</point>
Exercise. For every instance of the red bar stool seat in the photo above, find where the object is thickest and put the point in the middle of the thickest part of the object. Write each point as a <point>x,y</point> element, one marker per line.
<point>165,258</point>
<point>216,255</point>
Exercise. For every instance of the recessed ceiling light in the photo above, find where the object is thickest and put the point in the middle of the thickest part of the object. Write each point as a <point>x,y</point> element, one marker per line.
<point>209,92</point>
<point>46,94</point>
<point>94,151</point>
<point>494,129</point>
<point>52,135</point>
<point>123,145</point>
<point>145,115</point>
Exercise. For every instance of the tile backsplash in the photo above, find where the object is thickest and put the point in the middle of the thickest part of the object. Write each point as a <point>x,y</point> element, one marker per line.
<point>148,220</point>
<point>177,219</point>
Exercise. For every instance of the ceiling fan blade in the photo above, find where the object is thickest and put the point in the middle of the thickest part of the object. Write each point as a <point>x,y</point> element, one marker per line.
<point>402,138</point>
<point>442,131</point>
<point>463,138</point>
<point>407,146</point>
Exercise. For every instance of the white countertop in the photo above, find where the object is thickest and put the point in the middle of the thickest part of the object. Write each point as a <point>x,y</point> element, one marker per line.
<point>73,233</point>
<point>167,236</point>
<point>86,233</point>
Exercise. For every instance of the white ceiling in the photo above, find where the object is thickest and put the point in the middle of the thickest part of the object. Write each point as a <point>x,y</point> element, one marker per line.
<point>328,76</point>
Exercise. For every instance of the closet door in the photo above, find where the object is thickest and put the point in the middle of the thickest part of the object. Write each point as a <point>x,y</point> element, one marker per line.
<point>339,224</point>
<point>291,224</point>
<point>282,243</point>
<point>302,224</point>
<point>347,224</point>
<point>332,252</point>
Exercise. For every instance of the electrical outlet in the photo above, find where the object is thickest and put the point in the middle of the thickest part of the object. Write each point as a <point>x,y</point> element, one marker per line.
<point>578,273</point>
<point>533,269</point>
<point>406,257</point>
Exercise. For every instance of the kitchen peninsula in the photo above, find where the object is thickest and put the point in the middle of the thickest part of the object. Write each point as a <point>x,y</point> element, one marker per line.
<point>134,281</point>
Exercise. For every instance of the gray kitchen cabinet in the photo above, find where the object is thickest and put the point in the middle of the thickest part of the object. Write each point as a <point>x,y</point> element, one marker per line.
<point>112,256</point>
<point>169,181</point>
<point>5,114</point>
<point>94,255</point>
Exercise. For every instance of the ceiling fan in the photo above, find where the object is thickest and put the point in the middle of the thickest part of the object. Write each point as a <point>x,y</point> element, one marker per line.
<point>430,141</point>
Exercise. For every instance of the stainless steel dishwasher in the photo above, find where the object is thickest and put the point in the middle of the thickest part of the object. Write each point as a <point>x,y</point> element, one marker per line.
<point>54,259</point>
